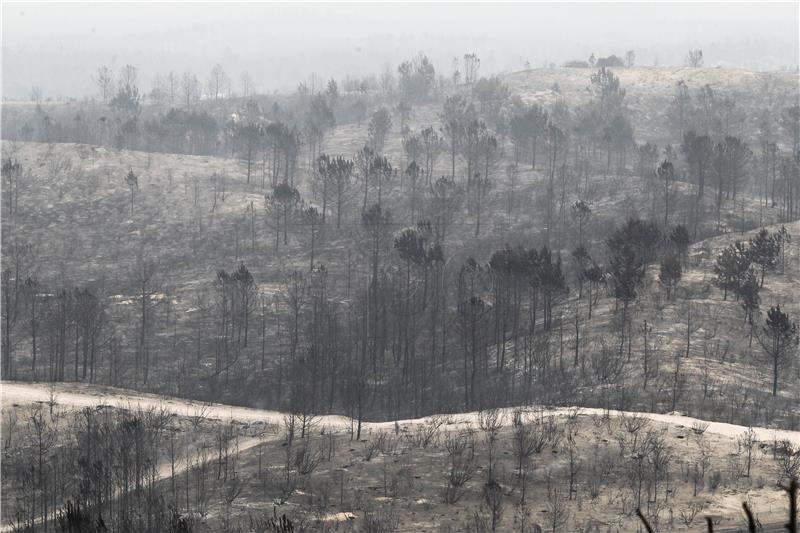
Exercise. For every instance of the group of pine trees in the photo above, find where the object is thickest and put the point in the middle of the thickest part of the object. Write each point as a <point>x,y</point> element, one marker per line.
<point>740,269</point>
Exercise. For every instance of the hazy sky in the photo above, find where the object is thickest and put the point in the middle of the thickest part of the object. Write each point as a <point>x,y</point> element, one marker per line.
<point>59,46</point>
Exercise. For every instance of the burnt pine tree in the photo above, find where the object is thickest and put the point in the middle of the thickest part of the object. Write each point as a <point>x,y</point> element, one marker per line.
<point>679,240</point>
<point>779,336</point>
<point>482,180</point>
<point>412,146</point>
<point>250,136</point>
<point>627,274</point>
<point>313,221</point>
<point>697,149</point>
<point>749,297</point>
<point>412,175</point>
<point>323,180</point>
<point>379,126</point>
<point>730,161</point>
<point>783,238</point>
<point>10,315</point>
<point>412,246</point>
<point>526,130</point>
<point>643,236</point>
<point>731,267</point>
<point>363,161</point>
<point>648,156</point>
<point>456,113</point>
<point>32,287</point>
<point>670,273</point>
<point>501,268</point>
<point>143,279</point>
<point>90,320</point>
<point>281,204</point>
<point>432,146</point>
<point>581,213</point>
<point>247,292</point>
<point>582,261</point>
<point>446,198</point>
<point>12,175</point>
<point>381,175</point>
<point>319,119</point>
<point>666,173</point>
<point>596,278</point>
<point>376,237</point>
<point>551,282</point>
<point>335,174</point>
<point>132,181</point>
<point>555,146</point>
<point>680,108</point>
<point>764,252</point>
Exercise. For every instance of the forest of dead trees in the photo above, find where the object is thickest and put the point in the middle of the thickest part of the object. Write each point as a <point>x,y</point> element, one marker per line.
<point>432,298</point>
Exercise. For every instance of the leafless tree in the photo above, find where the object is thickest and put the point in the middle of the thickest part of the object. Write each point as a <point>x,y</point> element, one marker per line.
<point>491,422</point>
<point>104,79</point>
<point>557,512</point>
<point>461,454</point>
<point>143,278</point>
<point>246,83</point>
<point>218,82</point>
<point>694,58</point>
<point>190,90</point>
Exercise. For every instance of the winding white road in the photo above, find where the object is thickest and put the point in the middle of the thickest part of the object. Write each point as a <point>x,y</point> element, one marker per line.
<point>79,396</point>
